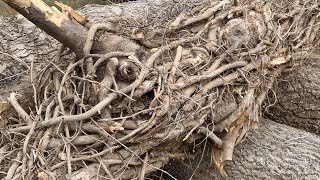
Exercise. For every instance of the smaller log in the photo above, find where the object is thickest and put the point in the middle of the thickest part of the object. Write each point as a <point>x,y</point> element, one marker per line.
<point>70,33</point>
<point>68,30</point>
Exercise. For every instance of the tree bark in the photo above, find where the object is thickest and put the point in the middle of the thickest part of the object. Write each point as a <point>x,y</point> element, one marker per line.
<point>67,30</point>
<point>297,97</point>
<point>273,151</point>
<point>21,43</point>
<point>71,33</point>
<point>272,160</point>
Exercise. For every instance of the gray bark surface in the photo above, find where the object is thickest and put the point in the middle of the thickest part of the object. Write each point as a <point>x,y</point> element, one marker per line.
<point>141,13</point>
<point>70,33</point>
<point>21,42</point>
<point>298,98</point>
<point>273,151</point>
<point>24,41</point>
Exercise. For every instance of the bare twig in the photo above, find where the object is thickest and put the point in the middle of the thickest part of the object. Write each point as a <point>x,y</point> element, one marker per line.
<point>175,65</point>
<point>106,101</point>
<point>105,168</point>
<point>143,171</point>
<point>13,101</point>
<point>205,15</point>
<point>25,146</point>
<point>14,166</point>
<point>194,79</point>
<point>211,136</point>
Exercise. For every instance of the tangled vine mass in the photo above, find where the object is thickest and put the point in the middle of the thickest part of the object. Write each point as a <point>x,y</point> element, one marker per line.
<point>204,74</point>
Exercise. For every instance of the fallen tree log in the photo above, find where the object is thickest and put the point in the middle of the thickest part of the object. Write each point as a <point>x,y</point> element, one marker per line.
<point>273,151</point>
<point>226,119</point>
<point>21,43</point>
<point>297,97</point>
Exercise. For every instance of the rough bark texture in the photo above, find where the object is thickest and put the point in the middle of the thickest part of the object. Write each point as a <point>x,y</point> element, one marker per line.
<point>71,33</point>
<point>143,16</point>
<point>273,151</point>
<point>21,39</point>
<point>142,12</point>
<point>298,98</point>
<point>20,43</point>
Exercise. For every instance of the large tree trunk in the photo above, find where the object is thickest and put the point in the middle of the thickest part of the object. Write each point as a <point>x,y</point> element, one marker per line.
<point>298,97</point>
<point>271,135</point>
<point>274,151</point>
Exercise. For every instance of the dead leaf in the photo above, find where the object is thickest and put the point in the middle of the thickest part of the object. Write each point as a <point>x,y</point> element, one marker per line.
<point>62,156</point>
<point>42,176</point>
<point>116,127</point>
<point>111,127</point>
<point>4,105</point>
<point>140,36</point>
<point>278,61</point>
<point>95,88</point>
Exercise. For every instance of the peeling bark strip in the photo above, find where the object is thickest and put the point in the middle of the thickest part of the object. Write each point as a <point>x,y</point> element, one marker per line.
<point>70,33</point>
